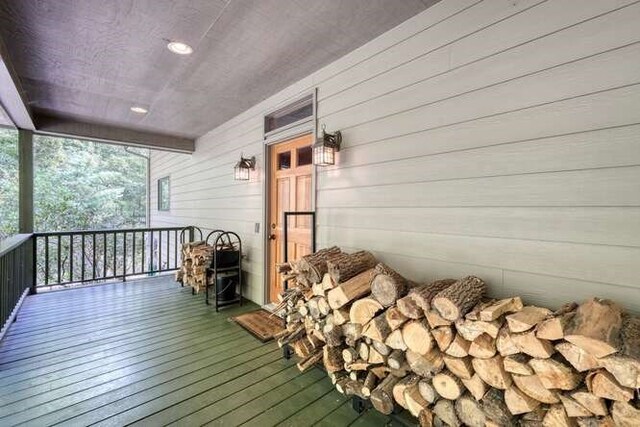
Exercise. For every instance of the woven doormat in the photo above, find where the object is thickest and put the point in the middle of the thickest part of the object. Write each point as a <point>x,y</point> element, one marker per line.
<point>260,323</point>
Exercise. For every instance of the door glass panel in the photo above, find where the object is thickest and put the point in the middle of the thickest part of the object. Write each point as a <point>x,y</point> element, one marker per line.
<point>303,200</point>
<point>304,156</point>
<point>284,160</point>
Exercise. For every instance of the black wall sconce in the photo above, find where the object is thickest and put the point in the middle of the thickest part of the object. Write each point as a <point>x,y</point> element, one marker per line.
<point>325,148</point>
<point>243,168</point>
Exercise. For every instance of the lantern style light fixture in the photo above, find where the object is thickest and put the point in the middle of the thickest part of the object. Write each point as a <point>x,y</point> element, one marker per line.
<point>325,148</point>
<point>243,168</point>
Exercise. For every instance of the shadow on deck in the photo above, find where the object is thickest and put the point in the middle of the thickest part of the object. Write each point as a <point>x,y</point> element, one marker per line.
<point>147,352</point>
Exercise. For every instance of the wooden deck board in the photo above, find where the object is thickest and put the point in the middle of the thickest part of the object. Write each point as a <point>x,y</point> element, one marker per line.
<point>150,353</point>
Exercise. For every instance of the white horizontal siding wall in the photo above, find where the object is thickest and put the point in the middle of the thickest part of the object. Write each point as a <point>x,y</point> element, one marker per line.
<point>495,137</point>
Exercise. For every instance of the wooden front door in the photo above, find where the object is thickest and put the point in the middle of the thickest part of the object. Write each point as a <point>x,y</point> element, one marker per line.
<point>290,190</point>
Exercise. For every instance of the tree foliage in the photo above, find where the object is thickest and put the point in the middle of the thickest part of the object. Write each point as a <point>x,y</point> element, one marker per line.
<point>78,185</point>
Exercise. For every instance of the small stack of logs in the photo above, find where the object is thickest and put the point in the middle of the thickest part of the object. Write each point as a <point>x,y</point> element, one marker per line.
<point>196,258</point>
<point>452,356</point>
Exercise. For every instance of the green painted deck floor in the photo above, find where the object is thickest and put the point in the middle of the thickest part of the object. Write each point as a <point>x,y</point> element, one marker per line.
<point>150,353</point>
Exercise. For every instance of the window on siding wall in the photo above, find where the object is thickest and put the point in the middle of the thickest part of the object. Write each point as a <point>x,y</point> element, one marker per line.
<point>163,194</point>
<point>293,114</point>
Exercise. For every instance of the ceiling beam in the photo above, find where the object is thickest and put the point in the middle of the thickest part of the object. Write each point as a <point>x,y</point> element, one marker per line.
<point>74,128</point>
<point>12,97</point>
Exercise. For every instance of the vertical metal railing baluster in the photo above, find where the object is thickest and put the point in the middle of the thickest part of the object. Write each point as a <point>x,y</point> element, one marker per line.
<point>159,250</point>
<point>133,249</point>
<point>104,255</point>
<point>168,266</point>
<point>115,263</point>
<point>124,258</point>
<point>142,244</point>
<point>46,260</point>
<point>82,269</point>
<point>175,248</point>
<point>93,259</point>
<point>71,238</point>
<point>59,249</point>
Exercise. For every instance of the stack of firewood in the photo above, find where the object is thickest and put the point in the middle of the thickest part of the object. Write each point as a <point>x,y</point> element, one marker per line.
<point>196,258</point>
<point>450,355</point>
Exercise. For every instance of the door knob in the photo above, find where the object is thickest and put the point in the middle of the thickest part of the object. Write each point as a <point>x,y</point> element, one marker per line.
<point>272,237</point>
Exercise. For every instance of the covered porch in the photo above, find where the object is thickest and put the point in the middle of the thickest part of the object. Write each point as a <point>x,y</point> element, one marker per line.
<point>147,352</point>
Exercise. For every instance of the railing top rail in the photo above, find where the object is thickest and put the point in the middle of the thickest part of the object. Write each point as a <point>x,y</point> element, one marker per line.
<point>105,230</point>
<point>10,243</point>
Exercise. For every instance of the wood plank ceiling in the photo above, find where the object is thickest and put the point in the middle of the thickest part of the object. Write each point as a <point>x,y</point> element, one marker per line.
<point>91,60</point>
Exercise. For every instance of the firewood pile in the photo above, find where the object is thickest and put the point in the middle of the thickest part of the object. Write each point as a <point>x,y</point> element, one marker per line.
<point>196,258</point>
<point>452,356</point>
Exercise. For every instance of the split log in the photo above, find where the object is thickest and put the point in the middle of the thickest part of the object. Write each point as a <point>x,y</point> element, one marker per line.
<point>314,311</point>
<point>456,300</point>
<point>417,337</point>
<point>557,417</point>
<point>332,335</point>
<point>625,414</point>
<point>363,310</point>
<point>472,329</point>
<point>369,384</point>
<point>425,365</point>
<point>476,386</point>
<point>460,366</point>
<point>496,409</point>
<point>596,327</point>
<point>341,316</point>
<point>518,402</point>
<point>602,384</point>
<point>624,369</point>
<point>448,385</point>
<point>518,364</point>
<point>554,374</point>
<point>315,341</point>
<point>302,347</point>
<point>317,289</point>
<point>414,401</point>
<point>443,336</point>
<point>483,347</point>
<point>470,412</point>
<point>323,306</point>
<point>577,357</point>
<point>395,340</point>
<point>573,408</point>
<point>388,285</point>
<point>423,295</point>
<point>352,289</point>
<point>528,343</point>
<point>327,282</point>
<point>344,268</point>
<point>498,308</point>
<point>532,387</point>
<point>381,348</point>
<point>396,359</point>
<point>427,391</point>
<point>409,307</point>
<point>332,358</point>
<point>554,326</point>
<point>434,319</point>
<point>527,318</point>
<point>310,360</point>
<point>445,410</point>
<point>358,365</point>
<point>395,318</point>
<point>382,325</point>
<point>375,358</point>
<point>401,386</point>
<point>459,347</point>
<point>382,397</point>
<point>505,344</point>
<point>492,372</point>
<point>533,418</point>
<point>595,404</point>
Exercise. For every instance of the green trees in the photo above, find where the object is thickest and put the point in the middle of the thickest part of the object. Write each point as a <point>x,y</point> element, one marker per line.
<point>78,185</point>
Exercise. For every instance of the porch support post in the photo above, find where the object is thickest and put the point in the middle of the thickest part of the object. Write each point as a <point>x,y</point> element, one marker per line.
<point>25,168</point>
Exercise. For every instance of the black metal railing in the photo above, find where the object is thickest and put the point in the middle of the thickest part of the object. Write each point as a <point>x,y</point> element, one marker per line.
<point>66,257</point>
<point>16,275</point>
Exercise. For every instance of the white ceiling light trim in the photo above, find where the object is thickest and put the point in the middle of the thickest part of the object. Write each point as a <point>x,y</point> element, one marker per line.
<point>139,110</point>
<point>180,48</point>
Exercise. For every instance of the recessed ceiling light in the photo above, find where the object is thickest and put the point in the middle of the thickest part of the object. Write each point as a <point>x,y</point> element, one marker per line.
<point>139,110</point>
<point>180,48</point>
